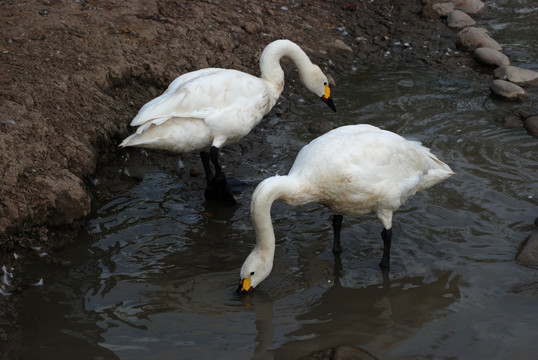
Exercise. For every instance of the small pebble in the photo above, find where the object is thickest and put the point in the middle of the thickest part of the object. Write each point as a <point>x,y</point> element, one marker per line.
<point>531,125</point>
<point>528,252</point>
<point>194,172</point>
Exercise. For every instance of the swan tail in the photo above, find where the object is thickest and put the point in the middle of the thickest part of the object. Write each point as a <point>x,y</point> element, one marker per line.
<point>177,135</point>
<point>437,172</point>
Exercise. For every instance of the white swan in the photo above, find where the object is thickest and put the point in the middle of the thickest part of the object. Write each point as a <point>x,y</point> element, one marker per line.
<point>214,107</point>
<point>355,169</point>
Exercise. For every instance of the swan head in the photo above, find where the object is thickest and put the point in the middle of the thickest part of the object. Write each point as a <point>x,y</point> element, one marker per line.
<point>315,80</point>
<point>255,269</point>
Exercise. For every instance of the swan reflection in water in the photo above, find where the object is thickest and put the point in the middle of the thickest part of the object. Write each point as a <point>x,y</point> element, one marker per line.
<point>381,315</point>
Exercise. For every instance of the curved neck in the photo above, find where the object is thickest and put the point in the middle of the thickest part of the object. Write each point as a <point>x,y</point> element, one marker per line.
<point>271,71</point>
<point>290,190</point>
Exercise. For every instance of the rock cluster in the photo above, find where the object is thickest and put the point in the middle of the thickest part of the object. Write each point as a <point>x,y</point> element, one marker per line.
<point>509,81</point>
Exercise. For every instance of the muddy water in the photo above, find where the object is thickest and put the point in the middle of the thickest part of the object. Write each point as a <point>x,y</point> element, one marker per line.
<point>154,274</point>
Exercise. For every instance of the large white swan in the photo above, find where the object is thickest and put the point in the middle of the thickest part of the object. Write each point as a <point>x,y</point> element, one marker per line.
<point>214,107</point>
<point>355,169</point>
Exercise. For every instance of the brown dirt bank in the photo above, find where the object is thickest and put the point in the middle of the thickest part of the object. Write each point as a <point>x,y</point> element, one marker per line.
<point>74,73</point>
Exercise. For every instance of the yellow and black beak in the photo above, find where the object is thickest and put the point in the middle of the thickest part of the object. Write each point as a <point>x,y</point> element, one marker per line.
<point>327,98</point>
<point>244,286</point>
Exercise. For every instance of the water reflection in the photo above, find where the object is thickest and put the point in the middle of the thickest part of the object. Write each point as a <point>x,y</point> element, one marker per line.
<point>56,323</point>
<point>374,316</point>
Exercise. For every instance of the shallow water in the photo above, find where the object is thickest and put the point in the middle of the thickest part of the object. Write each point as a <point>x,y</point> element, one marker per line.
<point>155,272</point>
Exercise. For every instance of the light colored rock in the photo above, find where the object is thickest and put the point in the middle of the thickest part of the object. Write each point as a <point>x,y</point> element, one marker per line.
<point>471,7</point>
<point>531,125</point>
<point>491,57</point>
<point>457,19</point>
<point>528,251</point>
<point>443,8</point>
<point>471,38</point>
<point>339,44</point>
<point>507,89</point>
<point>519,76</point>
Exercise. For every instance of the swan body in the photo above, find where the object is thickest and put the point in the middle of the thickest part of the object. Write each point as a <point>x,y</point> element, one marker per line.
<point>354,170</point>
<point>202,108</point>
<point>214,107</point>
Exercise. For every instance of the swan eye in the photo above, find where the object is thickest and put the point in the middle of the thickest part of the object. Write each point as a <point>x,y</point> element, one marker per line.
<point>325,83</point>
<point>252,273</point>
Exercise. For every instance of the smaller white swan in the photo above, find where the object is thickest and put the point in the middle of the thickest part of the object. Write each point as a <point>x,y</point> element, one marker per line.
<point>355,169</point>
<point>214,107</point>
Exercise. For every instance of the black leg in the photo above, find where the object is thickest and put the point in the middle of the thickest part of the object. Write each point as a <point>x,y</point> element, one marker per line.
<point>337,225</point>
<point>204,155</point>
<point>337,269</point>
<point>211,191</point>
<point>214,155</point>
<point>387,238</point>
<point>217,186</point>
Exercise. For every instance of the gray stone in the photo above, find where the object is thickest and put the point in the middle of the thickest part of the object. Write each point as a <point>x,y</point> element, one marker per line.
<point>491,57</point>
<point>517,75</point>
<point>507,89</point>
<point>531,125</point>
<point>457,19</point>
<point>339,44</point>
<point>443,8</point>
<point>471,38</point>
<point>471,7</point>
<point>341,352</point>
<point>528,252</point>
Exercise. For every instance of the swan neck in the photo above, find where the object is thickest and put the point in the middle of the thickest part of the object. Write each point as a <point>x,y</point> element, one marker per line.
<point>269,190</point>
<point>271,70</point>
